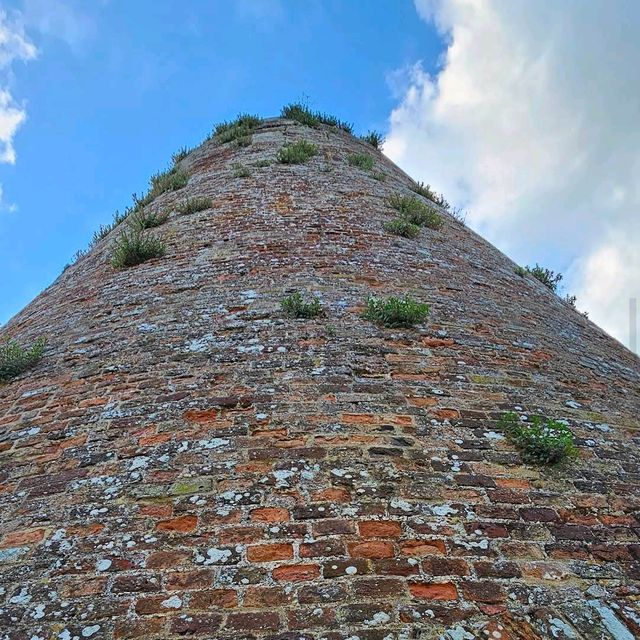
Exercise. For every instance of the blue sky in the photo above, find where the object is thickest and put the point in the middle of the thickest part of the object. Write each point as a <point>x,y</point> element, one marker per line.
<point>523,113</point>
<point>117,87</point>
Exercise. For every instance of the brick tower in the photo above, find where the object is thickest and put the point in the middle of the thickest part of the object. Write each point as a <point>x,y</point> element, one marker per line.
<point>188,460</point>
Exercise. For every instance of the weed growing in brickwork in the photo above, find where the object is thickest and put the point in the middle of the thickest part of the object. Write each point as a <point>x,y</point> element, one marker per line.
<point>549,278</point>
<point>141,220</point>
<point>542,442</point>
<point>415,211</point>
<point>521,271</point>
<point>134,247</point>
<point>395,312</point>
<point>361,160</point>
<point>375,139</point>
<point>427,192</point>
<point>402,227</point>
<point>105,229</point>
<point>262,163</point>
<point>180,155</point>
<point>193,205</point>
<point>15,359</point>
<point>238,130</point>
<point>297,307</point>
<point>297,152</point>
<point>302,114</point>
<point>240,171</point>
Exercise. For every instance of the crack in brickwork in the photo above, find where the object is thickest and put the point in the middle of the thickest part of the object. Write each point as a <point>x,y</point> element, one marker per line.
<point>187,461</point>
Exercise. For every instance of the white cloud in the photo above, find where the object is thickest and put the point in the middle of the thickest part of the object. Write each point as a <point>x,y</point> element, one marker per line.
<point>65,20</point>
<point>14,46</point>
<point>531,125</point>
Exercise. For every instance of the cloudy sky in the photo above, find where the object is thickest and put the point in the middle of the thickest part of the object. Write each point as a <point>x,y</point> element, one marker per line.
<point>523,112</point>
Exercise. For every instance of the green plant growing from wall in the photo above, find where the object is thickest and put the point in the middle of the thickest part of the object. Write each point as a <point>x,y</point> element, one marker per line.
<point>297,152</point>
<point>141,220</point>
<point>540,442</point>
<point>361,160</point>
<point>415,211</point>
<point>301,113</point>
<point>549,278</point>
<point>238,130</point>
<point>375,139</point>
<point>240,171</point>
<point>296,306</point>
<point>193,205</point>
<point>180,155</point>
<point>402,227</point>
<point>395,312</point>
<point>134,247</point>
<point>15,359</point>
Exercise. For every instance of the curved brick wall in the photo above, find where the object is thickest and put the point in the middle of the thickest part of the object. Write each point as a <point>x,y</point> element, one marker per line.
<point>186,461</point>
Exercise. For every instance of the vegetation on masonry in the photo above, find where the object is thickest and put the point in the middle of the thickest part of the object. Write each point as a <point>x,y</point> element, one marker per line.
<point>395,312</point>
<point>297,307</point>
<point>427,192</point>
<point>240,171</point>
<point>180,155</point>
<point>302,114</point>
<point>15,359</point>
<point>297,152</point>
<point>415,211</point>
<point>541,442</point>
<point>402,227</point>
<point>361,160</point>
<point>135,246</point>
<point>193,205</point>
<point>549,279</point>
<point>238,130</point>
<point>140,220</point>
<point>375,139</point>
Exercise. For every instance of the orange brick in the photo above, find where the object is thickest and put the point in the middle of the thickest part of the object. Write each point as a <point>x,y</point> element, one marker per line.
<point>270,514</point>
<point>373,549</point>
<point>379,529</point>
<point>335,494</point>
<point>17,538</point>
<point>434,591</point>
<point>296,572</point>
<point>181,523</point>
<point>201,417</point>
<point>269,552</point>
<point>422,547</point>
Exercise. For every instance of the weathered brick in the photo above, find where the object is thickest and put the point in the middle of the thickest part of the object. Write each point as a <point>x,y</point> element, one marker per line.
<point>379,529</point>
<point>270,514</point>
<point>296,572</point>
<point>263,621</point>
<point>269,552</point>
<point>372,549</point>
<point>433,591</point>
<point>182,524</point>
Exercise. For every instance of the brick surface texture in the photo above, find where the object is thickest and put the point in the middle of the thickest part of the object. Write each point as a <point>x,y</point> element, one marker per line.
<point>187,461</point>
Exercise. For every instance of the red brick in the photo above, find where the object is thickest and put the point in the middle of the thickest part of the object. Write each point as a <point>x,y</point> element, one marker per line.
<point>185,580</point>
<point>296,572</point>
<point>434,591</point>
<point>269,552</point>
<point>18,538</point>
<point>270,514</point>
<point>213,599</point>
<point>183,524</point>
<point>422,547</point>
<point>379,529</point>
<point>263,621</point>
<point>373,549</point>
